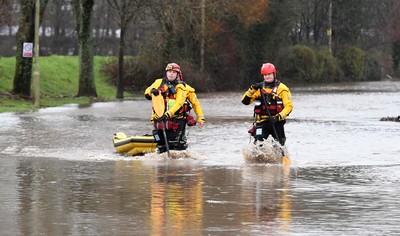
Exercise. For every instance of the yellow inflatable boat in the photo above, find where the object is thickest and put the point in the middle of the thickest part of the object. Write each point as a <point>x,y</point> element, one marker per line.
<point>134,145</point>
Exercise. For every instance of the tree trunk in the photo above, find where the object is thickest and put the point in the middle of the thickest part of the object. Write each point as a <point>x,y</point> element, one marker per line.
<point>26,33</point>
<point>396,55</point>
<point>120,81</point>
<point>83,11</point>
<point>23,66</point>
<point>125,9</point>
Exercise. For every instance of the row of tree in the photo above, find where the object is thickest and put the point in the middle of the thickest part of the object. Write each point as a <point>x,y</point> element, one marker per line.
<point>219,44</point>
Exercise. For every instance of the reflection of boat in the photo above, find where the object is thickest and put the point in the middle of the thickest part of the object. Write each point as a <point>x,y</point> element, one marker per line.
<point>134,145</point>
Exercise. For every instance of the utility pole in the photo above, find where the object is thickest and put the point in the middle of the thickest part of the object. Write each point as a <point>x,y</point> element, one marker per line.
<point>329,31</point>
<point>36,70</point>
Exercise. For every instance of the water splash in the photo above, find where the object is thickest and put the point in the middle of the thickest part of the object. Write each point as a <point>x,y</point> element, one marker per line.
<point>182,154</point>
<point>268,151</point>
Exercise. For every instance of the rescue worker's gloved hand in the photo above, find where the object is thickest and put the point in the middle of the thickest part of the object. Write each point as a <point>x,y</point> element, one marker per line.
<point>162,118</point>
<point>273,119</point>
<point>200,122</point>
<point>155,92</point>
<point>168,115</point>
<point>276,118</point>
<point>257,86</point>
<point>280,116</point>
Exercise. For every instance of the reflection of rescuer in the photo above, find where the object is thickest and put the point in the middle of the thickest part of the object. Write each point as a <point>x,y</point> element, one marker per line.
<point>179,98</point>
<point>273,106</point>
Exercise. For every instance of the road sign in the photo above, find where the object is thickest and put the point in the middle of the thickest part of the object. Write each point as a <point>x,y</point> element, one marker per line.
<point>27,50</point>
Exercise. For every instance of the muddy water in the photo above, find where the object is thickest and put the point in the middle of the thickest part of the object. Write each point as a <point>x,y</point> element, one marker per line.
<point>59,174</point>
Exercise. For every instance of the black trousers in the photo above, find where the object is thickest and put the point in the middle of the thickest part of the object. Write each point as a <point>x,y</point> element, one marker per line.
<point>264,129</point>
<point>176,137</point>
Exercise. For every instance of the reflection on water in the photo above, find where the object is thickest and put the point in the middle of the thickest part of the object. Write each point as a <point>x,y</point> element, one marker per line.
<point>176,200</point>
<point>60,174</point>
<point>156,198</point>
<point>267,188</point>
<point>347,200</point>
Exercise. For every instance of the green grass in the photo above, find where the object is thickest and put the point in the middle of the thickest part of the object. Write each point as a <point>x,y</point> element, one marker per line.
<point>59,78</point>
<point>7,69</point>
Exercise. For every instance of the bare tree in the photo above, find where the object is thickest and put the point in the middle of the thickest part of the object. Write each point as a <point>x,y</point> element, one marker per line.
<point>374,34</point>
<point>312,21</point>
<point>59,35</point>
<point>83,13</point>
<point>5,16</point>
<point>5,12</point>
<point>394,34</point>
<point>23,68</point>
<point>126,10</point>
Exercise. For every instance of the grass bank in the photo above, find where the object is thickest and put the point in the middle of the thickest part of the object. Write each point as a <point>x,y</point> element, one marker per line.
<point>59,80</point>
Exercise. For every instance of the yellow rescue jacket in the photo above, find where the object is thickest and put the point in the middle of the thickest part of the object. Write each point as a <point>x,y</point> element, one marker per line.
<point>282,92</point>
<point>192,97</point>
<point>175,102</point>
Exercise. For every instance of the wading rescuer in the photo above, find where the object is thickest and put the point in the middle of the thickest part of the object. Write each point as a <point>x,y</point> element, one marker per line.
<point>179,99</point>
<point>273,104</point>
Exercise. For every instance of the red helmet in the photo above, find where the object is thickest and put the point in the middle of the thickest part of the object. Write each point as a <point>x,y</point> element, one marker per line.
<point>268,68</point>
<point>174,67</point>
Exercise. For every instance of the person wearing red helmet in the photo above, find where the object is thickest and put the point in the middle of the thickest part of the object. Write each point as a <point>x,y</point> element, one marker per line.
<point>275,104</point>
<point>179,99</point>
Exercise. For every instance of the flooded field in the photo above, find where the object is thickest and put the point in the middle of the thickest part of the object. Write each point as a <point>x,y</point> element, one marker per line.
<point>60,175</point>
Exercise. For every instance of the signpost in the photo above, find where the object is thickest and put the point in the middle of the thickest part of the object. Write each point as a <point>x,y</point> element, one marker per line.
<point>36,72</point>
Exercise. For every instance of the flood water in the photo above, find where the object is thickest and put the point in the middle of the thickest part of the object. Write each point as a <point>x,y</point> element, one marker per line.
<point>59,174</point>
